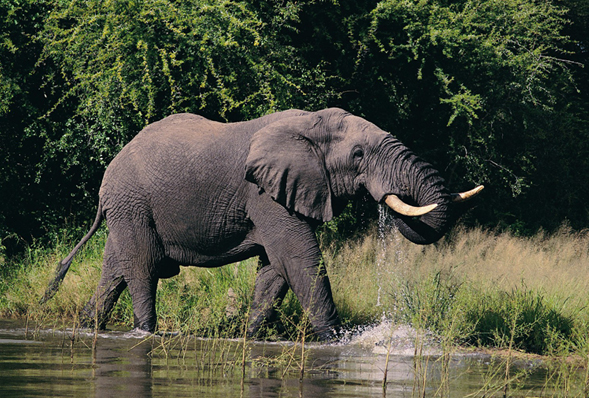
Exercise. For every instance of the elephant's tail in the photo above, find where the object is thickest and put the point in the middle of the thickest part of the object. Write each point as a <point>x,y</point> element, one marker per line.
<point>64,265</point>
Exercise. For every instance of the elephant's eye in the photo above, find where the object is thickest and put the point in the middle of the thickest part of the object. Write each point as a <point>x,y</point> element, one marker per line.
<point>358,153</point>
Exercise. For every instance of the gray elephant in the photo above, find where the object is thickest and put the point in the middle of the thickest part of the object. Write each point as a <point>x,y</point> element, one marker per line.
<point>191,191</point>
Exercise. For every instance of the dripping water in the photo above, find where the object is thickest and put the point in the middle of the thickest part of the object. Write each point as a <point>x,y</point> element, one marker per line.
<point>385,226</point>
<point>388,243</point>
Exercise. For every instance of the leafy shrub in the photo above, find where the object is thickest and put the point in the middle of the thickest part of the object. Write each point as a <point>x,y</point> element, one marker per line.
<point>526,318</point>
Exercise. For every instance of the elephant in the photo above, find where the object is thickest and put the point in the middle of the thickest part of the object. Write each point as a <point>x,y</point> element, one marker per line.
<point>194,192</point>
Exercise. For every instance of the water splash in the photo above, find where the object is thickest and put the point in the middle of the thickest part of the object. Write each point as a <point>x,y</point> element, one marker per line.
<point>383,335</point>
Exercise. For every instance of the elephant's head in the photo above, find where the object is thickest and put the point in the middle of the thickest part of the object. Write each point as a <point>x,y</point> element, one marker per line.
<point>315,162</point>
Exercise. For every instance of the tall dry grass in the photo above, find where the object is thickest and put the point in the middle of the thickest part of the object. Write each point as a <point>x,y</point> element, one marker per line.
<point>557,264</point>
<point>475,281</point>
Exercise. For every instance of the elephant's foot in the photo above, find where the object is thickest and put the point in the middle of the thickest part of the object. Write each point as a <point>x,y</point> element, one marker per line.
<point>148,326</point>
<point>325,334</point>
<point>260,324</point>
<point>145,320</point>
<point>89,319</point>
<point>328,334</point>
<point>254,327</point>
<point>139,333</point>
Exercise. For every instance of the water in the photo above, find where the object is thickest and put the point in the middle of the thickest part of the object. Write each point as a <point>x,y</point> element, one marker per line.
<point>386,236</point>
<point>117,363</point>
<point>384,220</point>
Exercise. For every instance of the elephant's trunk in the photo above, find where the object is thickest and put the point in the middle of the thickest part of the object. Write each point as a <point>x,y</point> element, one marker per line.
<point>419,185</point>
<point>428,188</point>
<point>425,230</point>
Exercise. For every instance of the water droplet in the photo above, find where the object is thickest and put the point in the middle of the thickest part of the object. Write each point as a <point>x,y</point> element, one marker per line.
<point>386,235</point>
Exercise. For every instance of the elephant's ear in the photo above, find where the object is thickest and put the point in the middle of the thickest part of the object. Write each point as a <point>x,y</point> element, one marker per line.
<point>288,165</point>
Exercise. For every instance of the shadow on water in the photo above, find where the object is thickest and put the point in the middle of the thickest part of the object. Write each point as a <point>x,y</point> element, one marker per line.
<point>52,363</point>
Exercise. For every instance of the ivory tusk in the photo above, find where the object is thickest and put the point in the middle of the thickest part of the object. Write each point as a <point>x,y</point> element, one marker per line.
<point>461,197</point>
<point>403,208</point>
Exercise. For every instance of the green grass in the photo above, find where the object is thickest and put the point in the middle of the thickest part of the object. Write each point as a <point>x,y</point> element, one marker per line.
<point>475,288</point>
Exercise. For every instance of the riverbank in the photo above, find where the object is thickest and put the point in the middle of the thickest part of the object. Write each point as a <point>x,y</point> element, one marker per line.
<point>475,288</point>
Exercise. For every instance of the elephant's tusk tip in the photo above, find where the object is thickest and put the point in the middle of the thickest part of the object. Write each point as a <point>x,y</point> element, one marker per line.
<point>404,209</point>
<point>462,196</point>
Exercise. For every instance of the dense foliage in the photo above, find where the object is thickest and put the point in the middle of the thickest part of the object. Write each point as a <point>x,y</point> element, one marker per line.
<point>491,92</point>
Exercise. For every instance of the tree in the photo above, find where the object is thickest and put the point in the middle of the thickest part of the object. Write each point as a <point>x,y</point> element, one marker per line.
<point>488,91</point>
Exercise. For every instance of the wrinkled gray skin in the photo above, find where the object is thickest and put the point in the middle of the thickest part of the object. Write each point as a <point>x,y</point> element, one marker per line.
<point>190,191</point>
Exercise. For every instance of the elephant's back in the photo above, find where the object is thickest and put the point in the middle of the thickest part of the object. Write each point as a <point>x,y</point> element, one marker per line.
<point>181,123</point>
<point>176,129</point>
<point>185,138</point>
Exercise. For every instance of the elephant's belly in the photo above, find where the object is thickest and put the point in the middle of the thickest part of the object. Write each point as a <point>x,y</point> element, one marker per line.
<point>212,258</point>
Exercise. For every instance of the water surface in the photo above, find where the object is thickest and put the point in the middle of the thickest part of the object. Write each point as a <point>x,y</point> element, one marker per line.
<point>66,363</point>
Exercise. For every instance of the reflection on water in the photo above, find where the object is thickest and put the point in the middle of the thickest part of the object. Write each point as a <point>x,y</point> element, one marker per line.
<point>122,364</point>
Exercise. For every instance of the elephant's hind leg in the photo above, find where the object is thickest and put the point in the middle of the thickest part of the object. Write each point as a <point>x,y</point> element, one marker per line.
<point>139,253</point>
<point>143,294</point>
<point>110,287</point>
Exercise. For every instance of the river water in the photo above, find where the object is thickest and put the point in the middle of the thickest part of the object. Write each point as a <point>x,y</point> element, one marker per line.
<point>65,363</point>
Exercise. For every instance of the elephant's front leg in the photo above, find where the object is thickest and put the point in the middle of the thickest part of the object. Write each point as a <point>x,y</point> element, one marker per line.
<point>294,256</point>
<point>310,284</point>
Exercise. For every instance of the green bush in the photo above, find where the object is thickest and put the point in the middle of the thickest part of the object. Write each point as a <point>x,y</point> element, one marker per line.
<point>526,318</point>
